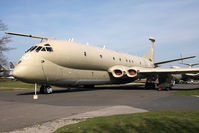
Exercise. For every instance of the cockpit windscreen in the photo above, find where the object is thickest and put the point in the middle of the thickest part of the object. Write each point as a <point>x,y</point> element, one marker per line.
<point>44,48</point>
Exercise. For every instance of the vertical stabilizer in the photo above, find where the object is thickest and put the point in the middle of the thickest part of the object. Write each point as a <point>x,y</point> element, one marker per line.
<point>150,54</point>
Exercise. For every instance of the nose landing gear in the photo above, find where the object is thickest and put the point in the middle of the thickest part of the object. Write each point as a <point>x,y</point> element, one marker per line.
<point>45,89</point>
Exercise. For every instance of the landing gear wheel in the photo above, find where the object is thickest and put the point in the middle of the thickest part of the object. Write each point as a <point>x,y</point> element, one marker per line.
<point>168,89</point>
<point>150,86</point>
<point>153,86</point>
<point>45,89</point>
<point>48,90</point>
<point>42,89</point>
<point>147,86</point>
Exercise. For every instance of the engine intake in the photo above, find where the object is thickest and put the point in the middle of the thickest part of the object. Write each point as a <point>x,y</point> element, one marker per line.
<point>118,71</point>
<point>123,71</point>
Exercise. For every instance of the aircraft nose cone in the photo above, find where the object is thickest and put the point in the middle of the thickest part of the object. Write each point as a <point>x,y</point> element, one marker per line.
<point>19,72</point>
<point>29,73</point>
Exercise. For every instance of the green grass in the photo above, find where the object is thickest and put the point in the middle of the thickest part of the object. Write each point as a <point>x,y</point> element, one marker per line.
<point>191,92</point>
<point>6,85</point>
<point>150,122</point>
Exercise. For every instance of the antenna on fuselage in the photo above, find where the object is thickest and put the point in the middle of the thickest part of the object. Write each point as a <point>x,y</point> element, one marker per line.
<point>71,39</point>
<point>32,36</point>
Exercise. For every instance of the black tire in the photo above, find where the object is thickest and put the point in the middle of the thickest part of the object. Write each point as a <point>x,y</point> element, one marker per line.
<point>42,89</point>
<point>147,86</point>
<point>47,90</point>
<point>153,86</point>
<point>150,86</point>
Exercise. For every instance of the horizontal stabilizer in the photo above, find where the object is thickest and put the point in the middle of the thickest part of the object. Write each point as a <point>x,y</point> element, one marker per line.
<point>32,36</point>
<point>167,61</point>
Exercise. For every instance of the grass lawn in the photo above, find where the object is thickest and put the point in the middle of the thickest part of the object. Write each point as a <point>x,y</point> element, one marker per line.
<point>191,92</point>
<point>149,122</point>
<point>6,85</point>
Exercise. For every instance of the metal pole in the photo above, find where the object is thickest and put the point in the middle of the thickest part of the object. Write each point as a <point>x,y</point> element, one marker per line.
<point>35,96</point>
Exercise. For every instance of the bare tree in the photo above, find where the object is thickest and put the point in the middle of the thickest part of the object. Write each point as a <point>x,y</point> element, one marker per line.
<point>3,41</point>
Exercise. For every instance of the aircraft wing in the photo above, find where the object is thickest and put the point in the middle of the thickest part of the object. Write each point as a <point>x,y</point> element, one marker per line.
<point>167,70</point>
<point>167,61</point>
<point>120,71</point>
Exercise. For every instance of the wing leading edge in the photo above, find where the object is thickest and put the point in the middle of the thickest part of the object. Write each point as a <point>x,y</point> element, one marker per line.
<point>167,70</point>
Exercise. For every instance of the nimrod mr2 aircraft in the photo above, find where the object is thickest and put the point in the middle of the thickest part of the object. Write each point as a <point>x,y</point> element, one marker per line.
<point>67,63</point>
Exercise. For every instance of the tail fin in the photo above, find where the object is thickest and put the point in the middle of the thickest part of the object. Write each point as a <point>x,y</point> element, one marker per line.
<point>150,54</point>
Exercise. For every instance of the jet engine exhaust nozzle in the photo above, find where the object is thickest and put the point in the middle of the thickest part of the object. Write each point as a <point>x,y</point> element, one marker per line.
<point>131,73</point>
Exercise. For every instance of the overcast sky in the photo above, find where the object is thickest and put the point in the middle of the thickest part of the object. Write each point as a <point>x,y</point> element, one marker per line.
<point>121,25</point>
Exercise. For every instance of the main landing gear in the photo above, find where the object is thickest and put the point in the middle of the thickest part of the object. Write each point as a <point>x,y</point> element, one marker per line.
<point>149,86</point>
<point>46,89</point>
<point>150,83</point>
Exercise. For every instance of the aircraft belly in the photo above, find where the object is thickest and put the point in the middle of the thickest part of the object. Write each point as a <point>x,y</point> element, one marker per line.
<point>63,76</point>
<point>84,77</point>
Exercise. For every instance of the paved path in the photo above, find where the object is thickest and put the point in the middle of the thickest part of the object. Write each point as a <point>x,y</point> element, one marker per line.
<point>19,110</point>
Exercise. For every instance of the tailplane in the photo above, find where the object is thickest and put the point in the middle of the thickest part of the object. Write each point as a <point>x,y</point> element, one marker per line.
<point>150,54</point>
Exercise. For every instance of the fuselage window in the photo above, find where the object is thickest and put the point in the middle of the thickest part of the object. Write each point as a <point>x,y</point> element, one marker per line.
<point>33,48</point>
<point>43,49</point>
<point>100,56</point>
<point>19,62</point>
<point>49,49</point>
<point>37,50</point>
<point>84,53</point>
<point>46,44</point>
<point>113,58</point>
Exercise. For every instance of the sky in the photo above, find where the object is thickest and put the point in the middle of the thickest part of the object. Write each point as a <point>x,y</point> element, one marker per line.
<point>121,25</point>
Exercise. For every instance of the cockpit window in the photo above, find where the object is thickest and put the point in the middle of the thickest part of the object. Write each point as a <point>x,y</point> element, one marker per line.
<point>37,50</point>
<point>19,62</point>
<point>29,49</point>
<point>33,48</point>
<point>43,49</point>
<point>46,44</point>
<point>49,49</point>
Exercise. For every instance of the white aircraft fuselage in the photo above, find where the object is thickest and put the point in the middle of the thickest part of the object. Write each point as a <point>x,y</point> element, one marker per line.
<point>66,63</point>
<point>71,64</point>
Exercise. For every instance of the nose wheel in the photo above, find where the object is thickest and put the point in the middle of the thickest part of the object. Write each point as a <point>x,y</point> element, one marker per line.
<point>45,89</point>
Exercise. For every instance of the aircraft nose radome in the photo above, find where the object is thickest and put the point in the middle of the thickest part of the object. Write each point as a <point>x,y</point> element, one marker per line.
<point>28,73</point>
<point>19,72</point>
